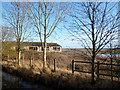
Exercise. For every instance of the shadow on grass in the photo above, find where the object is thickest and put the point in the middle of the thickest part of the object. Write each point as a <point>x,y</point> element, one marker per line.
<point>59,80</point>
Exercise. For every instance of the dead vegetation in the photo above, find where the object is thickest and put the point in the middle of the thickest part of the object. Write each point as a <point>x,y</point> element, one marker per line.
<point>63,76</point>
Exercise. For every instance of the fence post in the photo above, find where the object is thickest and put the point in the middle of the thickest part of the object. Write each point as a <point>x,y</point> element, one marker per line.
<point>111,71</point>
<point>98,63</point>
<point>73,66</point>
<point>54,65</point>
<point>30,61</point>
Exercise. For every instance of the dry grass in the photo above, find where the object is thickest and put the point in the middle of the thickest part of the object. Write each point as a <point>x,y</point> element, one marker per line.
<point>63,76</point>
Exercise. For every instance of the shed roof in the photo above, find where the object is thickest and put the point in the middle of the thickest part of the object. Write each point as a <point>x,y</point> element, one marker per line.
<point>32,43</point>
<point>39,44</point>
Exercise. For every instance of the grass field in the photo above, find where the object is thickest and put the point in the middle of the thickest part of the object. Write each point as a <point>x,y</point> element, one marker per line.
<point>63,76</point>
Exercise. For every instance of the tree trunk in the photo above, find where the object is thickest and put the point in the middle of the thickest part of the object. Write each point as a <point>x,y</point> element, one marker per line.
<point>44,56</point>
<point>93,59</point>
<point>19,52</point>
<point>45,44</point>
<point>93,43</point>
<point>19,55</point>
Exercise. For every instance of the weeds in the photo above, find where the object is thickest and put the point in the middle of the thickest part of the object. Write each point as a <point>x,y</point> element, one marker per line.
<point>63,76</point>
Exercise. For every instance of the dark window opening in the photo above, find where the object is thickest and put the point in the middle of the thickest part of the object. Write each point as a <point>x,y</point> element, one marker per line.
<point>33,48</point>
<point>56,48</point>
<point>47,49</point>
<point>30,48</point>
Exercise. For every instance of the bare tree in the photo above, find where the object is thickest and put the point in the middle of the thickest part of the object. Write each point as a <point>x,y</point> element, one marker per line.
<point>7,33</point>
<point>46,16</point>
<point>15,15</point>
<point>92,25</point>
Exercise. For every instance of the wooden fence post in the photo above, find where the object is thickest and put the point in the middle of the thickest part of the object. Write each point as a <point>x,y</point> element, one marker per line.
<point>111,72</point>
<point>73,66</point>
<point>54,65</point>
<point>30,61</point>
<point>98,63</point>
